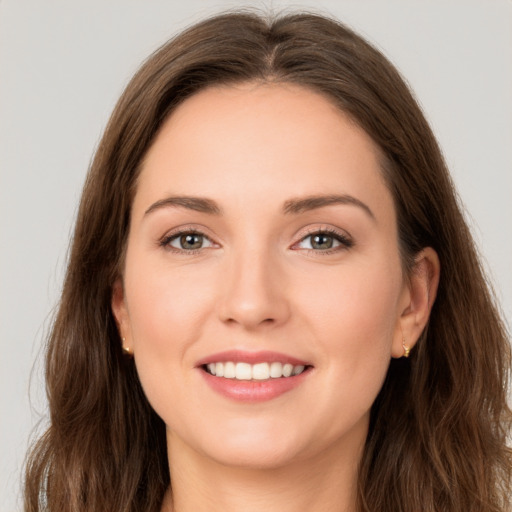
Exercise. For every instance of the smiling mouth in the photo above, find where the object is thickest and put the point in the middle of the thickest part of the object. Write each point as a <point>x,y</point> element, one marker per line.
<point>254,372</point>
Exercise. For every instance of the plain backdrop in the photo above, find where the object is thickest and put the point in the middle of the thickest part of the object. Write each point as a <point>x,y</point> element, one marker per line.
<point>63,65</point>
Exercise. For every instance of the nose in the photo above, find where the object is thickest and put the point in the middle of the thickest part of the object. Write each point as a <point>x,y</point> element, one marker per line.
<point>254,292</point>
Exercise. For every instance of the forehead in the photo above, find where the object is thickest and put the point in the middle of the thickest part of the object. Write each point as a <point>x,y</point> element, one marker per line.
<point>236,142</point>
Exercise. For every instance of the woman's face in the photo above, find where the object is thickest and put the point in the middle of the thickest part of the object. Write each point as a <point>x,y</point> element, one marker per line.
<point>263,241</point>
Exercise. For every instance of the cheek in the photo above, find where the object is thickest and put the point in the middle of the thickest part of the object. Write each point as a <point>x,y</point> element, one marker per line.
<point>166,307</point>
<point>167,315</point>
<point>357,299</point>
<point>354,319</point>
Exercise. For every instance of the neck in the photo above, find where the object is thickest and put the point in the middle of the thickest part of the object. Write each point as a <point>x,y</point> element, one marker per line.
<point>326,483</point>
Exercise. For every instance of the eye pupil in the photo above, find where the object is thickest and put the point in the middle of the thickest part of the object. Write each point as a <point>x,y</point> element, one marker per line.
<point>191,241</point>
<point>321,241</point>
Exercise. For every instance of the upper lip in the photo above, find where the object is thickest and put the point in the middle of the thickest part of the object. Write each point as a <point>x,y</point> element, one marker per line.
<point>241,356</point>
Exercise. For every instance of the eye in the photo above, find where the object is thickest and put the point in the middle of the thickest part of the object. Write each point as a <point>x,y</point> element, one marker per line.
<point>187,241</point>
<point>324,241</point>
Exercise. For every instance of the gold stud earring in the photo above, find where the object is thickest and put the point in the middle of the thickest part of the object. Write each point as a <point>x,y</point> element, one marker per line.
<point>127,350</point>
<point>407,349</point>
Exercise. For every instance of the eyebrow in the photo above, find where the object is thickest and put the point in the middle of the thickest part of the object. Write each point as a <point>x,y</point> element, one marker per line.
<point>292,206</point>
<point>301,205</point>
<point>199,204</point>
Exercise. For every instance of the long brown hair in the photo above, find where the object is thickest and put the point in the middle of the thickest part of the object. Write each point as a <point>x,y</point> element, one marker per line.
<point>437,438</point>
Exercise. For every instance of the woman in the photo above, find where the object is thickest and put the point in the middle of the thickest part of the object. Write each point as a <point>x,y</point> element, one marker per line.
<point>272,299</point>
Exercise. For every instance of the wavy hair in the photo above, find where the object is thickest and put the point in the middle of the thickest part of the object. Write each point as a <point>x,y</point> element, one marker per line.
<point>439,427</point>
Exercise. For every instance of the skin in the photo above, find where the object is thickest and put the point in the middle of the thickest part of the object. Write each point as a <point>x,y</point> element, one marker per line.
<point>257,283</point>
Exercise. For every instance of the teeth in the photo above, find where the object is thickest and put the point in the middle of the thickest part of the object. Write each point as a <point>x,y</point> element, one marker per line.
<point>276,370</point>
<point>287,370</point>
<point>298,369</point>
<point>243,371</point>
<point>259,371</point>
<point>229,370</point>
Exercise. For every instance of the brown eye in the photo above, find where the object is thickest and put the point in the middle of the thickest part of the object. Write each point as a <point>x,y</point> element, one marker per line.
<point>322,241</point>
<point>189,241</point>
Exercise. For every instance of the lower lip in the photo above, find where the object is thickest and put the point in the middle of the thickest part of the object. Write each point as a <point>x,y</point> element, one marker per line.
<point>253,390</point>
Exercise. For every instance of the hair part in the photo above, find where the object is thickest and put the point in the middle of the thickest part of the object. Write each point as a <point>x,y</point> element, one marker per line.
<point>439,426</point>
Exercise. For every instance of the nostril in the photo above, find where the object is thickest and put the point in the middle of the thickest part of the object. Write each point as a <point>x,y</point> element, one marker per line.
<point>249,320</point>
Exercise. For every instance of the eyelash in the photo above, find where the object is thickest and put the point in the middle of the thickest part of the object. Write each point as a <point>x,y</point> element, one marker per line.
<point>345,242</point>
<point>167,239</point>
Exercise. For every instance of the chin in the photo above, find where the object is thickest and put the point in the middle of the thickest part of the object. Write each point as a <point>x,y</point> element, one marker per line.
<point>253,446</point>
<point>256,456</point>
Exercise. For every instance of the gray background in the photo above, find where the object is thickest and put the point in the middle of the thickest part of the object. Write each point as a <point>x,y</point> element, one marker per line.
<point>63,65</point>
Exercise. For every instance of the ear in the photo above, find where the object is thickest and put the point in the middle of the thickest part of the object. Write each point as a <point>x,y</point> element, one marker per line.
<point>417,301</point>
<point>120,311</point>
